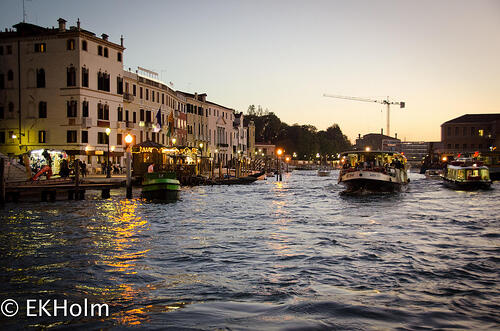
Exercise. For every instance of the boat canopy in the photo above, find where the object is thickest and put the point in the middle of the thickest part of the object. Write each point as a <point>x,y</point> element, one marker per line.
<point>375,158</point>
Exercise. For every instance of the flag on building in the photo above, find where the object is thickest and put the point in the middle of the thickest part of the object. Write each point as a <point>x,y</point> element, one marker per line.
<point>158,117</point>
<point>170,124</point>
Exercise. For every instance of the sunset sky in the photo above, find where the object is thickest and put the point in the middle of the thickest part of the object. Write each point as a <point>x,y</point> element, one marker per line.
<point>441,57</point>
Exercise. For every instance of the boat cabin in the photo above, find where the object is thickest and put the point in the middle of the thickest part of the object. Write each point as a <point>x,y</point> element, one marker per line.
<point>372,160</point>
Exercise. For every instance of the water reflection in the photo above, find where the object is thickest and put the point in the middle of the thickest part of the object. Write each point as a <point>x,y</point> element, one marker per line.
<point>273,254</point>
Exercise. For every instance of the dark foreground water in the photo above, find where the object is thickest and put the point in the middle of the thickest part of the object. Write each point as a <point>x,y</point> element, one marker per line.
<point>291,255</point>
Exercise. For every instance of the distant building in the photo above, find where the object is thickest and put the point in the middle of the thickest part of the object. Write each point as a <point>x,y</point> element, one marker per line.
<point>265,149</point>
<point>415,151</point>
<point>470,133</point>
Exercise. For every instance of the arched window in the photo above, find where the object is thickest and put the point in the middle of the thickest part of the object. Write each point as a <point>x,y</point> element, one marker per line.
<point>71,76</point>
<point>40,77</point>
<point>70,44</point>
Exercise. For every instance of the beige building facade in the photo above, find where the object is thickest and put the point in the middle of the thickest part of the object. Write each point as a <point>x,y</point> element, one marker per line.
<point>61,88</point>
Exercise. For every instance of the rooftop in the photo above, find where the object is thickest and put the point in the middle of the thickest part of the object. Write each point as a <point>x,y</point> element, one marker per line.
<point>474,118</point>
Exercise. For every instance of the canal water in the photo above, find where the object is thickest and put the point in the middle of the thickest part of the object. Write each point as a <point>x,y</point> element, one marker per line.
<point>289,255</point>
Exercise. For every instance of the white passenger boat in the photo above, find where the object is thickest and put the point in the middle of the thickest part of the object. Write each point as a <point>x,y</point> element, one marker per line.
<point>467,174</point>
<point>373,171</point>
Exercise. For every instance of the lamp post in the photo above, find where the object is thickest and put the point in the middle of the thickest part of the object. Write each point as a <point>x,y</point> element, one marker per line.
<point>128,141</point>
<point>279,152</point>
<point>108,166</point>
<point>201,156</point>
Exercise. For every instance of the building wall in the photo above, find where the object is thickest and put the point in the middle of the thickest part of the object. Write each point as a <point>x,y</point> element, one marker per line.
<point>54,61</point>
<point>470,136</point>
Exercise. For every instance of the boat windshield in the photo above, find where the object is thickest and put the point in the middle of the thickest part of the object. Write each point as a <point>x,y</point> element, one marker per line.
<point>372,160</point>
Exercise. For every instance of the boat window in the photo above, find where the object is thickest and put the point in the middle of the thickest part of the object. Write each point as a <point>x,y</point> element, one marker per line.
<point>461,174</point>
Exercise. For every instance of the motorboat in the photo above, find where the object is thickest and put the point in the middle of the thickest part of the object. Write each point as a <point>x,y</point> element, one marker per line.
<point>160,186</point>
<point>323,172</point>
<point>433,173</point>
<point>373,171</point>
<point>467,174</point>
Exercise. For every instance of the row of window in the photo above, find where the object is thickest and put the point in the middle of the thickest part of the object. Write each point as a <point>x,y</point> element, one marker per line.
<point>198,110</point>
<point>465,131</point>
<point>71,45</point>
<point>465,146</point>
<point>103,79</point>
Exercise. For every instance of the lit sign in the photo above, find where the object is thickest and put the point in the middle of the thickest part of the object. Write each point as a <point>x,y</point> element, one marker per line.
<point>99,152</point>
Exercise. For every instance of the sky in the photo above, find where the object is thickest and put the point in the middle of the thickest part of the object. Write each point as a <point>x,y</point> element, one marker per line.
<point>442,58</point>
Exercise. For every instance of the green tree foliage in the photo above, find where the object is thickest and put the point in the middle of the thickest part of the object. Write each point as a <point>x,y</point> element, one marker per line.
<point>305,140</point>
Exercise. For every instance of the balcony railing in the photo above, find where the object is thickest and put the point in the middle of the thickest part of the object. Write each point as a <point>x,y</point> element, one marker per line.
<point>128,97</point>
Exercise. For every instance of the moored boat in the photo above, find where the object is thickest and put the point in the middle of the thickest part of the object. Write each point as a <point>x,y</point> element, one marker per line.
<point>467,174</point>
<point>373,171</point>
<point>160,186</point>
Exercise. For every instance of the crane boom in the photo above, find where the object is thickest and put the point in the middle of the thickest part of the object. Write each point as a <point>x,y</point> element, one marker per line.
<point>384,102</point>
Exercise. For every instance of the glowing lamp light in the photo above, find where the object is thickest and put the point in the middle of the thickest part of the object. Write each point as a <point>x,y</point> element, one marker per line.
<point>294,154</point>
<point>367,148</point>
<point>87,148</point>
<point>128,139</point>
<point>287,158</point>
<point>14,136</point>
<point>201,145</point>
<point>444,159</point>
<point>279,151</point>
<point>112,148</point>
<point>174,141</point>
<point>317,155</point>
<point>108,131</point>
<point>216,150</point>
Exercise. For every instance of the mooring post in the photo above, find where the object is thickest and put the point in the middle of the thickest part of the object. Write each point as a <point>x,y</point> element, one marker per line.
<point>128,166</point>
<point>105,193</point>
<point>2,181</point>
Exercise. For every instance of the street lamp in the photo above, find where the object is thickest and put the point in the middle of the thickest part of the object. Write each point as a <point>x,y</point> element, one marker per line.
<point>128,141</point>
<point>108,167</point>
<point>201,149</point>
<point>174,141</point>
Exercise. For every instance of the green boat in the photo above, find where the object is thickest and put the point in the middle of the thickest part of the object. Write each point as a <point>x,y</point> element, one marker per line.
<point>160,186</point>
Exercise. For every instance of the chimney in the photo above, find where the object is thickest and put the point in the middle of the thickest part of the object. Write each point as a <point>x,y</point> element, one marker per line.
<point>104,36</point>
<point>62,24</point>
<point>121,40</point>
<point>382,131</point>
<point>359,135</point>
<point>78,24</point>
<point>396,135</point>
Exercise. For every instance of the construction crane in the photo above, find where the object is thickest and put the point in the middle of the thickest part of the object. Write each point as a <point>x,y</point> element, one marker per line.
<point>384,102</point>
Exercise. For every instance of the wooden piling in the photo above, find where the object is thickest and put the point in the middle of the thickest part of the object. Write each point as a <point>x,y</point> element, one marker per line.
<point>2,181</point>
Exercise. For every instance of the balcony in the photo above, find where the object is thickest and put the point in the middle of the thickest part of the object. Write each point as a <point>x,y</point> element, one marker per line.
<point>86,122</point>
<point>130,125</point>
<point>222,145</point>
<point>128,97</point>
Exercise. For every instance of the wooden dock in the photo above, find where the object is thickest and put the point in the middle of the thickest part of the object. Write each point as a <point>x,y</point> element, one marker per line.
<point>52,189</point>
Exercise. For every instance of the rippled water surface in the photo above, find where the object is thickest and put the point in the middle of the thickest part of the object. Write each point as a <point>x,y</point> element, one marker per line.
<point>289,255</point>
